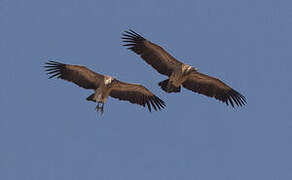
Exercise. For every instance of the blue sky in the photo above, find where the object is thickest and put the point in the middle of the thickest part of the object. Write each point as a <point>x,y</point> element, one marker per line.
<point>49,131</point>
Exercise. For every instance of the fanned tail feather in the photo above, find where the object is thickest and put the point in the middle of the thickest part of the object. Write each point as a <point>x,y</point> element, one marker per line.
<point>170,89</point>
<point>90,98</point>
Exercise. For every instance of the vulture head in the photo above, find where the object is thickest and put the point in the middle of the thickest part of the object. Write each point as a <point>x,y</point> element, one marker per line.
<point>187,69</point>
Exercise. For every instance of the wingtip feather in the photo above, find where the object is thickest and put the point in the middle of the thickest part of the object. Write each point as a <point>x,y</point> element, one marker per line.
<point>53,68</point>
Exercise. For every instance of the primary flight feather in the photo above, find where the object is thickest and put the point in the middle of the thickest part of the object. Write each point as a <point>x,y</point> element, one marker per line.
<point>180,73</point>
<point>104,86</point>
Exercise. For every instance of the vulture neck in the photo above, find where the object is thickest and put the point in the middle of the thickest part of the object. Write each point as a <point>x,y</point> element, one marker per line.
<point>101,94</point>
<point>186,68</point>
<point>108,80</point>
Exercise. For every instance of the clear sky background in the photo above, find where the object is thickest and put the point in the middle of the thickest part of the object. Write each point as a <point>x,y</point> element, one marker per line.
<point>49,131</point>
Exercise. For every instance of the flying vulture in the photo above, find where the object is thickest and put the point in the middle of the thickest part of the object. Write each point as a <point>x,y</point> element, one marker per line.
<point>104,86</point>
<point>180,73</point>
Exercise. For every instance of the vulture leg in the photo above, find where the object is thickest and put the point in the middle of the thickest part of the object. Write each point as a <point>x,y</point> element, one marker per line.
<point>99,107</point>
<point>102,106</point>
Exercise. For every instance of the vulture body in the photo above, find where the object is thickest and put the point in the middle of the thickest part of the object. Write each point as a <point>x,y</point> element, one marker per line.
<point>180,73</point>
<point>104,86</point>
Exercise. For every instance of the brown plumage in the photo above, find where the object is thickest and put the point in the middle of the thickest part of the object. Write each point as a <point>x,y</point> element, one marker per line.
<point>180,73</point>
<point>104,86</point>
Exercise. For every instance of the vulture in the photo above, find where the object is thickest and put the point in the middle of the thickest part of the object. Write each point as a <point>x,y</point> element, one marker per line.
<point>103,86</point>
<point>179,73</point>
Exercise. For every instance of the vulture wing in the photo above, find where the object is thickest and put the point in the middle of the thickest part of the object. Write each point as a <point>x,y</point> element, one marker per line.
<point>153,54</point>
<point>213,87</point>
<point>136,94</point>
<point>79,75</point>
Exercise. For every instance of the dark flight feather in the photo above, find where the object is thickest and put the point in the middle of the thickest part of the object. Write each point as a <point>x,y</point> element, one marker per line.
<point>136,94</point>
<point>153,54</point>
<point>213,87</point>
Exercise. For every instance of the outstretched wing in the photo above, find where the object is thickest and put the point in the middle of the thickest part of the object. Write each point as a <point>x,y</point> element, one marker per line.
<point>136,94</point>
<point>213,87</point>
<point>79,75</point>
<point>153,54</point>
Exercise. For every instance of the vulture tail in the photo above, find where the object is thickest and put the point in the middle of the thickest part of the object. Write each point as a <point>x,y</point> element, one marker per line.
<point>168,87</point>
<point>91,98</point>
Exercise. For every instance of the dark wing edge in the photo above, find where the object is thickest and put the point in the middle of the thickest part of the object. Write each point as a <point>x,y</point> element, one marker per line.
<point>132,39</point>
<point>213,87</point>
<point>153,54</point>
<point>137,94</point>
<point>79,75</point>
